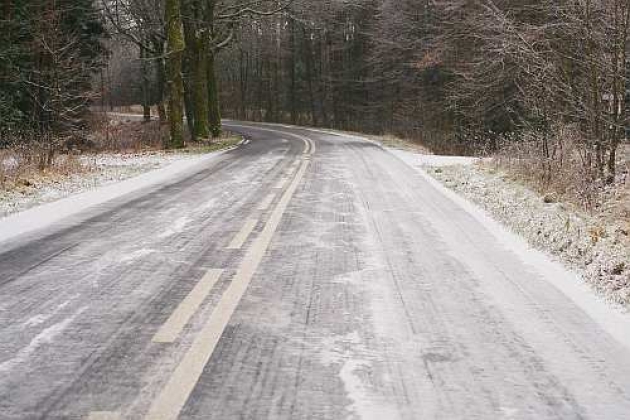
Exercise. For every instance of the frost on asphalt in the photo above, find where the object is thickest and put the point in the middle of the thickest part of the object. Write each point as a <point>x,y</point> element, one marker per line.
<point>598,250</point>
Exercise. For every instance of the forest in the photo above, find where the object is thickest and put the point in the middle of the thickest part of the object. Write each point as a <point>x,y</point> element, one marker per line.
<point>543,80</point>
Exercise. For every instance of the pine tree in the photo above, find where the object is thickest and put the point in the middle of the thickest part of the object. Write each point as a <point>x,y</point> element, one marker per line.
<point>49,53</point>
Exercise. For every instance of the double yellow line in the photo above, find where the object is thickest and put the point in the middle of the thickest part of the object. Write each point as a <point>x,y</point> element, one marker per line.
<point>173,396</point>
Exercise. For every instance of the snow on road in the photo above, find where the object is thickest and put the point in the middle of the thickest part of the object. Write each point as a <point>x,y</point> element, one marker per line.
<point>550,228</point>
<point>382,295</point>
<point>117,176</point>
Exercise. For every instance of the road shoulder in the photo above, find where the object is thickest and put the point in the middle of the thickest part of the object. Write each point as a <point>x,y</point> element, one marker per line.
<point>613,317</point>
<point>45,215</point>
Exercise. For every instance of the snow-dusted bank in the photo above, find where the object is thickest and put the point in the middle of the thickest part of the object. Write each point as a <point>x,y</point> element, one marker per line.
<point>114,177</point>
<point>598,252</point>
<point>96,171</point>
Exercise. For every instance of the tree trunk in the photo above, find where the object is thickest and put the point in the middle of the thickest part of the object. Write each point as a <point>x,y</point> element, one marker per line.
<point>243,81</point>
<point>620,86</point>
<point>196,37</point>
<point>189,105</point>
<point>213,98</point>
<point>174,54</point>
<point>161,81</point>
<point>146,86</point>
<point>200,88</point>
<point>292,93</point>
<point>309,77</point>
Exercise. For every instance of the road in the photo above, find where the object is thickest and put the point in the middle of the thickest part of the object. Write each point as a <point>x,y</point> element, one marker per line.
<point>301,276</point>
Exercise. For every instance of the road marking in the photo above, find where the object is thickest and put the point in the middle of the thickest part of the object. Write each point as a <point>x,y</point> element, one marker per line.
<point>280,185</point>
<point>309,144</point>
<point>104,415</point>
<point>176,392</point>
<point>267,202</point>
<point>291,169</point>
<point>171,329</point>
<point>241,237</point>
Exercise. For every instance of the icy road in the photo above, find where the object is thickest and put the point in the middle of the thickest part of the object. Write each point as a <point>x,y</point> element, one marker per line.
<point>303,275</point>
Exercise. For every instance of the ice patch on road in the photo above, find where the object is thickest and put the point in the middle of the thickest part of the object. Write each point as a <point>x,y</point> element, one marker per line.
<point>365,408</point>
<point>612,319</point>
<point>42,318</point>
<point>37,320</point>
<point>50,213</point>
<point>356,374</point>
<point>136,255</point>
<point>178,226</point>
<point>47,336</point>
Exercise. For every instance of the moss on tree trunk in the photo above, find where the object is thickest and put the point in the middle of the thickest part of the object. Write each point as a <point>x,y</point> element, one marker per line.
<point>174,53</point>
<point>213,98</point>
<point>200,88</point>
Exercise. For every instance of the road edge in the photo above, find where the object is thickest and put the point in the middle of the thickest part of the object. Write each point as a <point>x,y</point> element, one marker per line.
<point>47,214</point>
<point>613,318</point>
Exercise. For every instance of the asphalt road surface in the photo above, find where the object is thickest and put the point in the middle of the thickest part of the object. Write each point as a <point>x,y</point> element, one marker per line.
<point>301,276</point>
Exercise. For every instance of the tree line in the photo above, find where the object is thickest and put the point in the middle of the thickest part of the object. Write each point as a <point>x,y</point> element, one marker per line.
<point>49,51</point>
<point>459,75</point>
<point>56,59</point>
<point>178,42</point>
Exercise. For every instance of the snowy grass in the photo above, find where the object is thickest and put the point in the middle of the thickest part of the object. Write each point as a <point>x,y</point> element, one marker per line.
<point>88,172</point>
<point>597,248</point>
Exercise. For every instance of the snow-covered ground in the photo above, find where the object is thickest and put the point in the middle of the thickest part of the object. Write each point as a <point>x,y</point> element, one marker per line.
<point>440,161</point>
<point>598,251</point>
<point>112,177</point>
<point>99,170</point>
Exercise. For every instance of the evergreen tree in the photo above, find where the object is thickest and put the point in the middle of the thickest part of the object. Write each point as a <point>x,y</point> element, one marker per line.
<point>49,53</point>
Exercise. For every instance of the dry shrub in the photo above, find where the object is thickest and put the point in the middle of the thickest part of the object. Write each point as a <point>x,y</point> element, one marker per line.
<point>556,165</point>
<point>7,168</point>
<point>27,159</point>
<point>123,135</point>
<point>24,160</point>
<point>130,109</point>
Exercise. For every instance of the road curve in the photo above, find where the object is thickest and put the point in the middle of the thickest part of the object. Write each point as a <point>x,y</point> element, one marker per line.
<point>303,275</point>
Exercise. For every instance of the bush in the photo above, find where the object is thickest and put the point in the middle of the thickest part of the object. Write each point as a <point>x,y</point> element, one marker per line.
<point>557,164</point>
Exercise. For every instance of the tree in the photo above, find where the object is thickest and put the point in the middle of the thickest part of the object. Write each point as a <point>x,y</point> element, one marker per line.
<point>53,50</point>
<point>174,57</point>
<point>141,22</point>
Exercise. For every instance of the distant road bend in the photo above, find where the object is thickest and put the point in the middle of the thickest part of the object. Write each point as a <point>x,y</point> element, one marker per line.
<point>303,275</point>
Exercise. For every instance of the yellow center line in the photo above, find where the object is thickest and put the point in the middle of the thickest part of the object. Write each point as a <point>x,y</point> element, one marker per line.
<point>309,144</point>
<point>280,185</point>
<point>171,329</point>
<point>175,393</point>
<point>267,201</point>
<point>241,237</point>
<point>103,415</point>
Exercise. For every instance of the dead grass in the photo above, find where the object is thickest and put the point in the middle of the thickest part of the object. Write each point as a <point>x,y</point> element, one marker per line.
<point>597,247</point>
<point>134,109</point>
<point>389,140</point>
<point>21,168</point>
<point>563,177</point>
<point>127,136</point>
